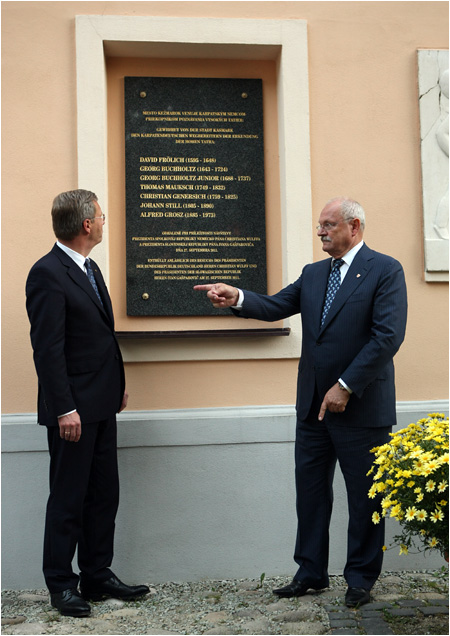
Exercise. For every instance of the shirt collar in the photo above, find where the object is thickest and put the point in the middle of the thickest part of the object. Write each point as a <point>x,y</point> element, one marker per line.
<point>348,258</point>
<point>75,256</point>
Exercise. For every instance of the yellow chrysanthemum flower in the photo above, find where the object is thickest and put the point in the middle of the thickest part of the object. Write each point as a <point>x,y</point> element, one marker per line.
<point>421,515</point>
<point>410,513</point>
<point>437,515</point>
<point>403,549</point>
<point>376,517</point>
<point>433,542</point>
<point>430,485</point>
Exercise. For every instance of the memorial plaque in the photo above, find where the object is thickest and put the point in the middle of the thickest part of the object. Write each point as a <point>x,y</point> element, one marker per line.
<point>195,204</point>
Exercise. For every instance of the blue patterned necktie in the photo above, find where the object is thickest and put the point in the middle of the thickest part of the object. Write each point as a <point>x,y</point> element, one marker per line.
<point>90,275</point>
<point>334,282</point>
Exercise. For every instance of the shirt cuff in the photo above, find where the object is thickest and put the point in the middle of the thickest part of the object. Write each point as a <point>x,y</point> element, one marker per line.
<point>341,381</point>
<point>68,413</point>
<point>240,301</point>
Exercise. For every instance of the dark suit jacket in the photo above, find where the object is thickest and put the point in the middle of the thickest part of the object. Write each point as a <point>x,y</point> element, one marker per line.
<point>362,332</point>
<point>76,354</point>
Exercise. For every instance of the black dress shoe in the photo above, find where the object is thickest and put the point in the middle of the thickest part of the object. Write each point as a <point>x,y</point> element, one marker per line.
<point>356,596</point>
<point>70,603</point>
<point>296,588</point>
<point>111,588</point>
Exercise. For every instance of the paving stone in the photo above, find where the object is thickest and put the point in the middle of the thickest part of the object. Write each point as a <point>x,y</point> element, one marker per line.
<point>114,602</point>
<point>342,622</point>
<point>220,631</point>
<point>14,620</point>
<point>126,612</point>
<point>438,601</point>
<point>336,608</point>
<point>216,617</point>
<point>402,611</point>
<point>408,603</point>
<point>393,579</point>
<point>35,598</point>
<point>431,596</point>
<point>297,616</point>
<point>375,606</point>
<point>434,610</point>
<point>274,607</point>
<point>386,598</point>
<point>259,626</point>
<point>370,614</point>
<point>311,628</point>
<point>375,626</point>
<point>26,628</point>
<point>247,613</point>
<point>343,630</point>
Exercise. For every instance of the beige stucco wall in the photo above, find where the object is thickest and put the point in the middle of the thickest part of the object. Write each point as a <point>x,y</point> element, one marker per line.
<point>364,129</point>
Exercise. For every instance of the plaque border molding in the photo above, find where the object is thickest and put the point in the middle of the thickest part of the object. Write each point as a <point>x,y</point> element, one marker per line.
<point>285,42</point>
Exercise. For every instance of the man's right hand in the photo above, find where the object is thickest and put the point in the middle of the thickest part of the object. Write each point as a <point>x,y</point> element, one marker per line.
<point>70,427</point>
<point>220,295</point>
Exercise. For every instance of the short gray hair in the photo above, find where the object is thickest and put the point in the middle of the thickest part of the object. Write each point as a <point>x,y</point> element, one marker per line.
<point>351,209</point>
<point>69,210</point>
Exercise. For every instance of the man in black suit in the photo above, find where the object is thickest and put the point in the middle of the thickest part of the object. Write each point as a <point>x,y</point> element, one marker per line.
<point>81,388</point>
<point>353,309</point>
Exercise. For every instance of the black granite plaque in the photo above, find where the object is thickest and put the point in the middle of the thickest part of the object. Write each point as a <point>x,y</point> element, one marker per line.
<point>195,206</point>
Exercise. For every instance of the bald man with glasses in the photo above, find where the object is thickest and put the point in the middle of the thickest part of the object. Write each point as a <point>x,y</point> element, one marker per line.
<point>353,308</point>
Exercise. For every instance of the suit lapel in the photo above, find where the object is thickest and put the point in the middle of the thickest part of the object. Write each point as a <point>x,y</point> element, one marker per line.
<point>80,279</point>
<point>320,281</point>
<point>355,276</point>
<point>107,306</point>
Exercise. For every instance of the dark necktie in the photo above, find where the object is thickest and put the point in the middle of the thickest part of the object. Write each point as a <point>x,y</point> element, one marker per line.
<point>334,281</point>
<point>90,275</point>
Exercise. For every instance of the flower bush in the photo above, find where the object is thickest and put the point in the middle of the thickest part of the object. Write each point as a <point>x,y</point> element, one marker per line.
<point>411,477</point>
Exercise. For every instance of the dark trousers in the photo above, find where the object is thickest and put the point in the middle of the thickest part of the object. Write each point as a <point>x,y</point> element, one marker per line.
<point>318,446</point>
<point>82,506</point>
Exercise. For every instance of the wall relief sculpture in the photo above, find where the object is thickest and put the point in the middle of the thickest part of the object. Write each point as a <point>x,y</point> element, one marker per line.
<point>433,107</point>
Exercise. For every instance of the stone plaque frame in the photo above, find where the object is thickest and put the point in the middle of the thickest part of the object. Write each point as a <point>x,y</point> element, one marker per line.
<point>285,42</point>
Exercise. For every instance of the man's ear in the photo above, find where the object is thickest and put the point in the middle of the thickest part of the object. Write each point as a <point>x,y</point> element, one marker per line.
<point>87,226</point>
<point>356,226</point>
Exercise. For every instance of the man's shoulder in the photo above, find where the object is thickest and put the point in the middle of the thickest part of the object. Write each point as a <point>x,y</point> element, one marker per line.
<point>50,260</point>
<point>379,257</point>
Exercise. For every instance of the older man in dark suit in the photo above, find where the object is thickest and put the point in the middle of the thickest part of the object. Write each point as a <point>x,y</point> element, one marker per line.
<point>353,309</point>
<point>81,388</point>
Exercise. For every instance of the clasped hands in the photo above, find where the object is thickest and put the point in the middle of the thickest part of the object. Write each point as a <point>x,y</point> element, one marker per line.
<point>223,296</point>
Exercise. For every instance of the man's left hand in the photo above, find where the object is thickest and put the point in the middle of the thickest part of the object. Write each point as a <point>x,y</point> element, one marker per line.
<point>334,401</point>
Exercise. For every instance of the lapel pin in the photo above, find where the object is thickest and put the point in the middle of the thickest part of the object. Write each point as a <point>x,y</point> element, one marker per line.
<point>358,275</point>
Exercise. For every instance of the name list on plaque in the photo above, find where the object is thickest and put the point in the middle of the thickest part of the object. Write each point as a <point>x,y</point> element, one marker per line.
<point>195,202</point>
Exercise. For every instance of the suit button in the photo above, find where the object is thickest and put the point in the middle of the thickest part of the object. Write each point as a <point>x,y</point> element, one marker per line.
<point>318,343</point>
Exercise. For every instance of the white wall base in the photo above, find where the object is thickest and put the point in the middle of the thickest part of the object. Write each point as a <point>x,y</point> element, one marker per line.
<point>205,494</point>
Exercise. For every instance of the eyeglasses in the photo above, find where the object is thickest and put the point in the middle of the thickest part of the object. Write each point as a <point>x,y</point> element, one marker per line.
<point>330,226</point>
<point>102,216</point>
<point>326,226</point>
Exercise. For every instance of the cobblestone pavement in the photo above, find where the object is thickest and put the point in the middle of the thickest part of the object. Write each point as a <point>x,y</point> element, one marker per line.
<point>245,607</point>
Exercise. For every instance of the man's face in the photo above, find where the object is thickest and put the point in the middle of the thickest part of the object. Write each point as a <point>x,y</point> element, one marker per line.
<point>337,236</point>
<point>96,225</point>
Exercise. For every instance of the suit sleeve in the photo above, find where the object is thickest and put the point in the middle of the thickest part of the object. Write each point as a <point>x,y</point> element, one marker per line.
<point>271,308</point>
<point>46,309</point>
<point>387,330</point>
